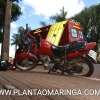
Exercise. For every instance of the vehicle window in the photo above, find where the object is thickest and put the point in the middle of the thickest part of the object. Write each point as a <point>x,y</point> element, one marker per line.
<point>81,34</point>
<point>74,33</point>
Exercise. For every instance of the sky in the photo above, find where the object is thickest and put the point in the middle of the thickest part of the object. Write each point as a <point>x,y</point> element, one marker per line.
<point>35,11</point>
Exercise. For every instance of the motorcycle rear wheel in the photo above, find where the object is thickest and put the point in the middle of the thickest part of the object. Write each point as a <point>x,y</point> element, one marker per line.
<point>26,64</point>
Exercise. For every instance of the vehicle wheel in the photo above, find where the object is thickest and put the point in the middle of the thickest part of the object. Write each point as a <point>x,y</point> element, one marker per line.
<point>87,67</point>
<point>26,64</point>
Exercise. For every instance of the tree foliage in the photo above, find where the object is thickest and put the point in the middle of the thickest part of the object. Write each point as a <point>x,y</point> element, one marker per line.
<point>42,23</point>
<point>17,38</point>
<point>59,16</point>
<point>20,37</point>
<point>90,20</point>
<point>16,12</point>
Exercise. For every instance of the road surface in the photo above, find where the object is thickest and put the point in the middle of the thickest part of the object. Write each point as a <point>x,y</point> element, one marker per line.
<point>40,79</point>
<point>96,73</point>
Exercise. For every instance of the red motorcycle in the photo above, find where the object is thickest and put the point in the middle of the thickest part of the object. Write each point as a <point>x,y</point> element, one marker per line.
<point>60,46</point>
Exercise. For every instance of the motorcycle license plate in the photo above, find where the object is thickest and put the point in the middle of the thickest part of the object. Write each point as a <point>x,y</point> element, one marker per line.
<point>93,54</point>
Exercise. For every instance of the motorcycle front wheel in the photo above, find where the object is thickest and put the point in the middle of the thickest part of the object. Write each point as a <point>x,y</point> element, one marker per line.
<point>87,67</point>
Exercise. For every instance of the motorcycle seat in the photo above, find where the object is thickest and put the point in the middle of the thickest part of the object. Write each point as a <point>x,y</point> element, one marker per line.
<point>60,51</point>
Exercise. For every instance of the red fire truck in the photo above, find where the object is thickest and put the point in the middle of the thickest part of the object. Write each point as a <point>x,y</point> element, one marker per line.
<point>61,46</point>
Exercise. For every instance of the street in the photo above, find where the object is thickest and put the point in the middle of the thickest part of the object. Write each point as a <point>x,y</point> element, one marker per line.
<point>40,79</point>
<point>96,71</point>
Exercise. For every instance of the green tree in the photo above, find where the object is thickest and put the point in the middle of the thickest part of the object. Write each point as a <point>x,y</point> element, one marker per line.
<point>15,13</point>
<point>42,23</point>
<point>59,16</point>
<point>6,29</point>
<point>90,20</point>
<point>83,18</point>
<point>19,38</point>
<point>15,40</point>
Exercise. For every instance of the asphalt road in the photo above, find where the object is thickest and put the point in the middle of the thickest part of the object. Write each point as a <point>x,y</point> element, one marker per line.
<point>96,73</point>
<point>40,79</point>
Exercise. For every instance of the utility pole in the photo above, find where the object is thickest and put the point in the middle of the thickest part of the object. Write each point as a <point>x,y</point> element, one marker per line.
<point>6,31</point>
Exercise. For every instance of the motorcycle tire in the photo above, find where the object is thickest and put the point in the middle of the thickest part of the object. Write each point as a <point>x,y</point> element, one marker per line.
<point>26,64</point>
<point>90,65</point>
